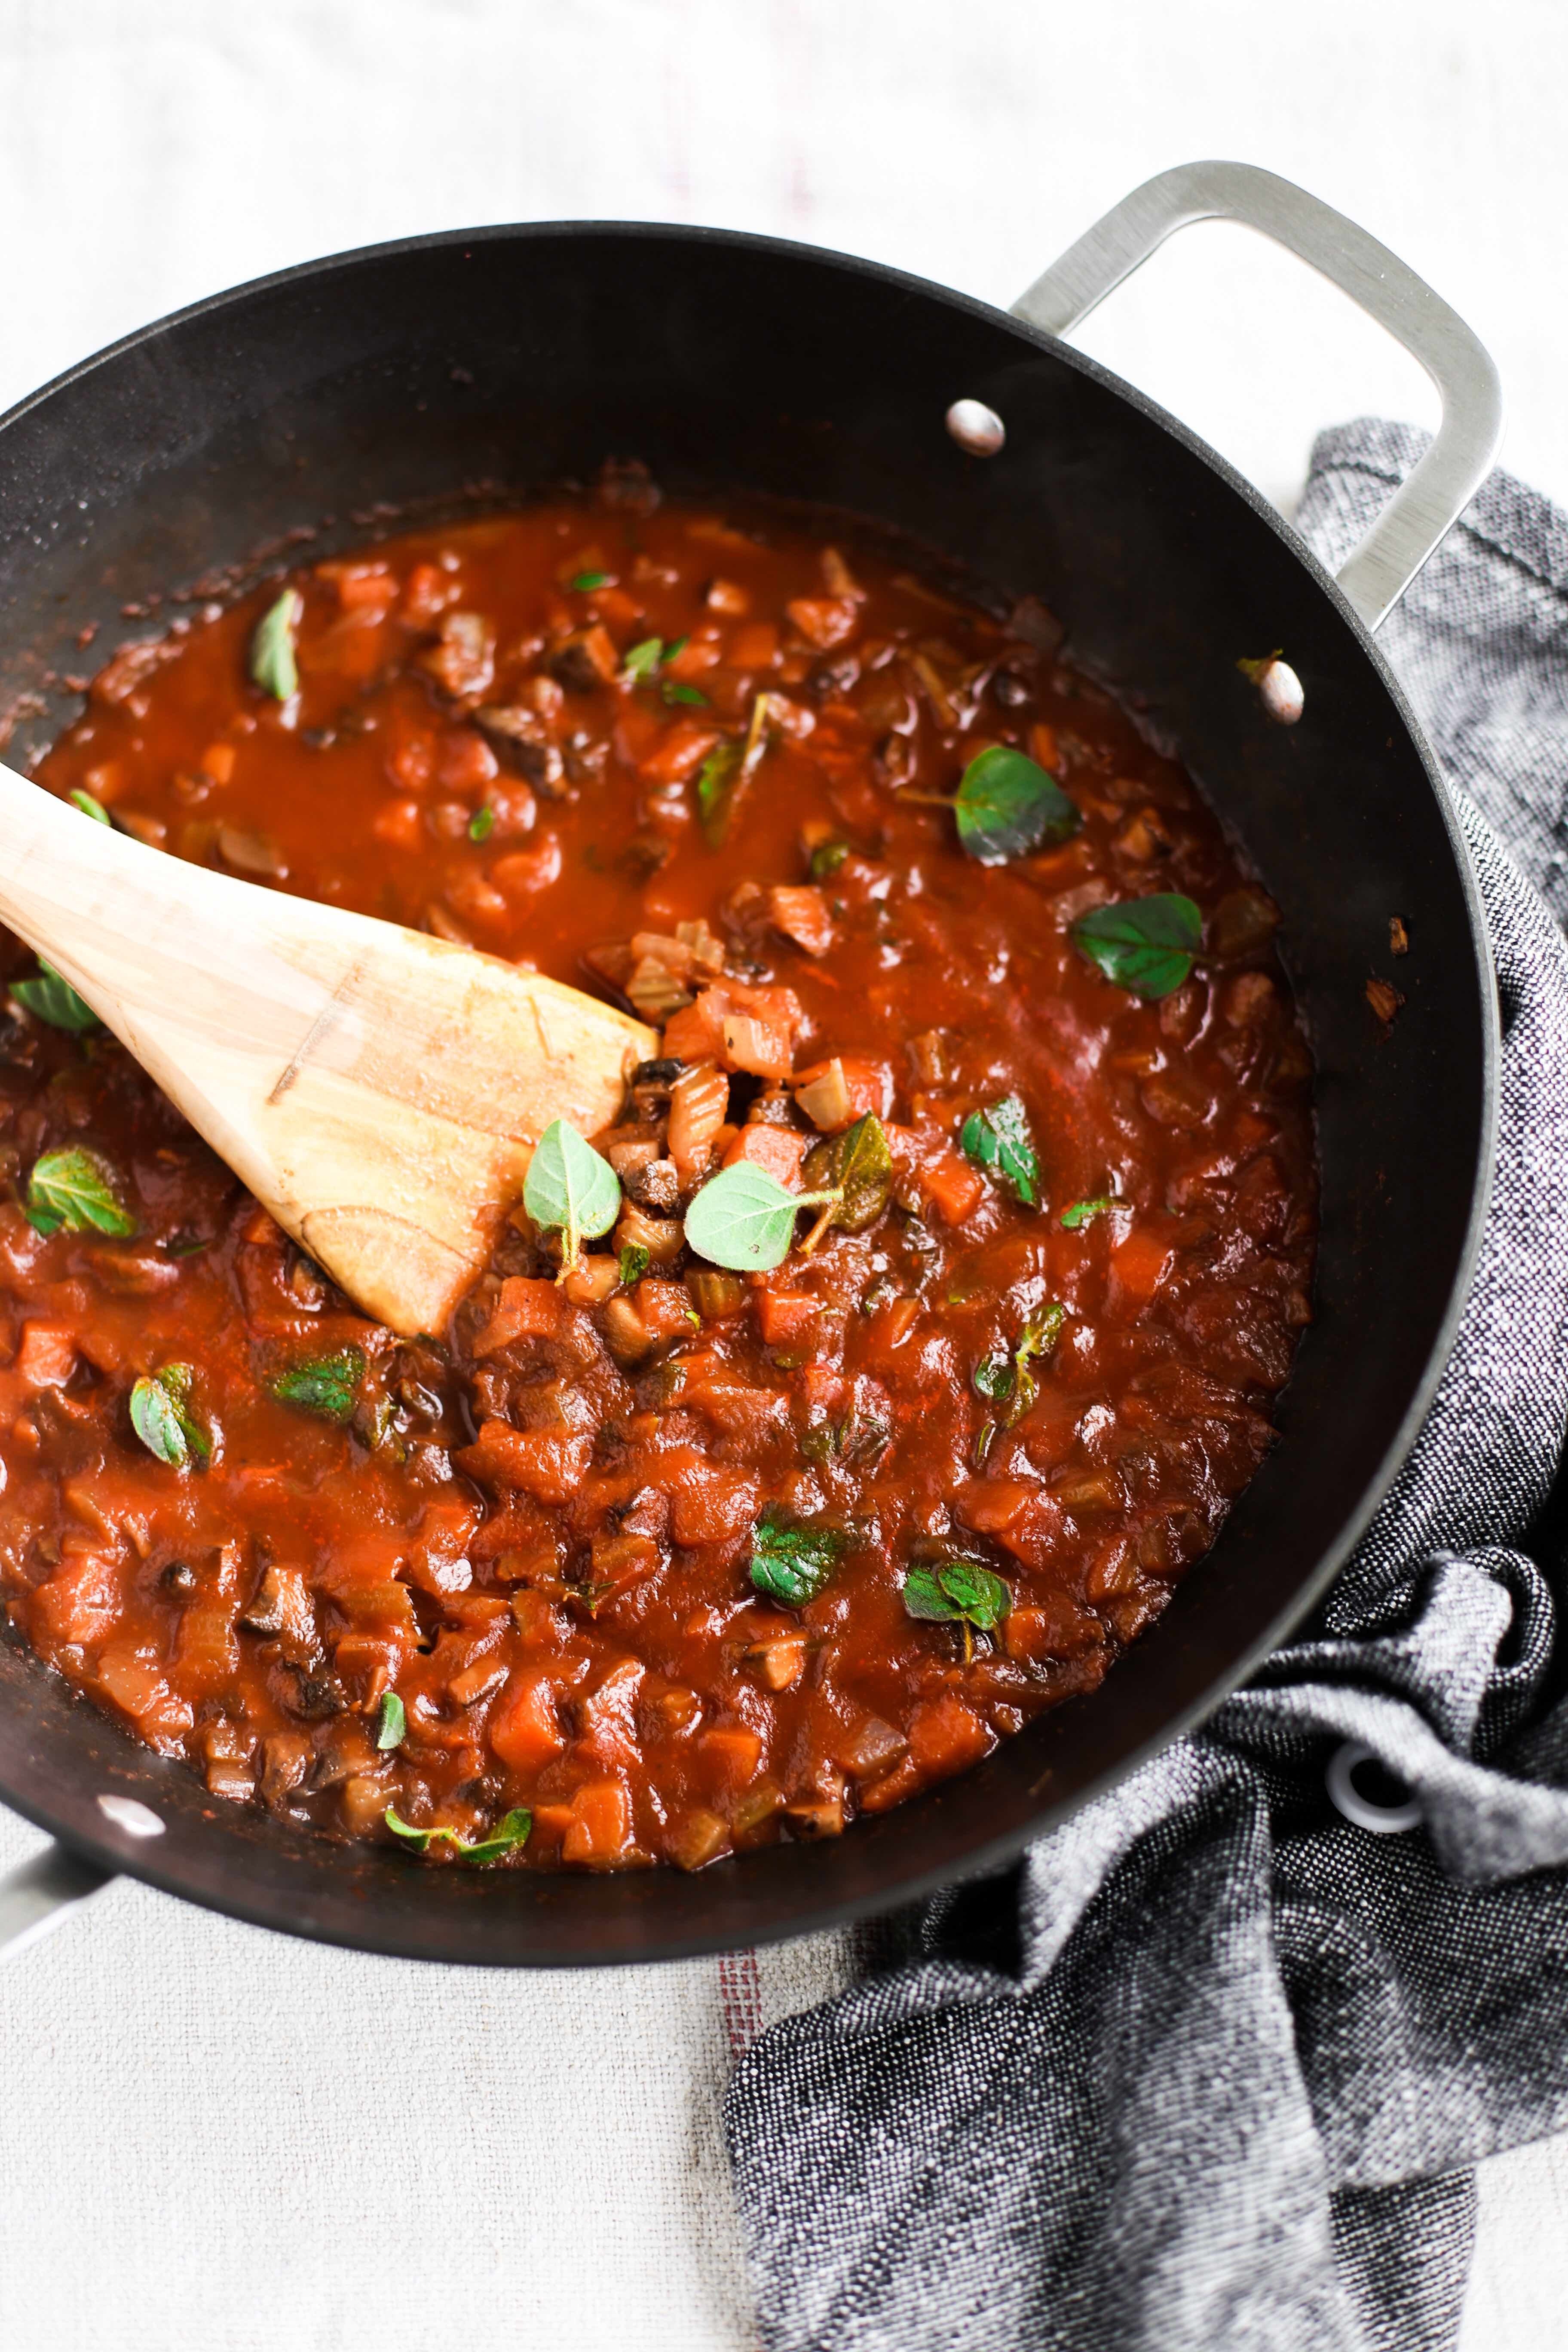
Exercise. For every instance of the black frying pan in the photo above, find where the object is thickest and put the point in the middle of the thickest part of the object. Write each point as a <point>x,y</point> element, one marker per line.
<point>412,376</point>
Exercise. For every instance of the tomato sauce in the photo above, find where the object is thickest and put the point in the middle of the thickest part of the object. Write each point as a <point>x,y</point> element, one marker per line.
<point>649,1559</point>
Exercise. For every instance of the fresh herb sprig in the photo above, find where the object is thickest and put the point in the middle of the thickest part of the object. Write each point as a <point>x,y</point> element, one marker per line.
<point>505,1838</point>
<point>1007,804</point>
<point>74,1190</point>
<point>1146,945</point>
<point>647,663</point>
<point>570,1191</point>
<point>392,1723</point>
<point>51,999</point>
<point>958,1592</point>
<point>743,1218</point>
<point>273,664</point>
<point>162,1417</point>
<point>997,1137</point>
<point>793,1564</point>
<point>328,1386</point>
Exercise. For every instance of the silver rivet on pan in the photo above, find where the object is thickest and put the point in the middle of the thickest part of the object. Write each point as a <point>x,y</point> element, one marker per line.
<point>1384,1817</point>
<point>975,428</point>
<point>130,1814</point>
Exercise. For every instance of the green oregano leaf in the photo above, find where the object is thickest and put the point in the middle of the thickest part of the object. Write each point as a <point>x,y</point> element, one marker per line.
<point>482,825</point>
<point>1144,945</point>
<point>1036,1339</point>
<point>272,663</point>
<point>716,781</point>
<point>994,1378</point>
<point>1082,1211</point>
<point>826,858</point>
<point>327,1385</point>
<point>162,1418</point>
<point>89,807</point>
<point>642,660</point>
<point>744,1218</point>
<point>505,1838</point>
<point>74,1188</point>
<point>957,1591</point>
<point>674,690</point>
<point>998,1138</point>
<point>392,1726</point>
<point>49,998</point>
<point>856,1164</point>
<point>633,1264</point>
<point>1007,804</point>
<point>583,580</point>
<point>792,1564</point>
<point>570,1189</point>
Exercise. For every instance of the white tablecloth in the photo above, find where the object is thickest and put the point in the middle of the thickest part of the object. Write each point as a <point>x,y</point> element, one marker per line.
<point>214,2138</point>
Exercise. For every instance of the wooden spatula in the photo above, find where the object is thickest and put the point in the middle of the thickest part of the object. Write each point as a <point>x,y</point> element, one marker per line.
<point>380,1092</point>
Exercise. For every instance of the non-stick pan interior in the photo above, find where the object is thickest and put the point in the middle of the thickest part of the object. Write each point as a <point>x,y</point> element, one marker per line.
<point>336,399</point>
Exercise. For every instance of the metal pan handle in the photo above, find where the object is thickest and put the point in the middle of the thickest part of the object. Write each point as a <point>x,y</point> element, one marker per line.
<point>1425,507</point>
<point>40,1893</point>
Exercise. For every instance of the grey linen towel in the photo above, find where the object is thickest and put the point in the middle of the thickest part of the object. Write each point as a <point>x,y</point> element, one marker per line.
<point>1211,2067</point>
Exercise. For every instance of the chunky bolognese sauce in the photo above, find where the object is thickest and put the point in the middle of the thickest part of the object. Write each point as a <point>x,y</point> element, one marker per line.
<point>863,1391</point>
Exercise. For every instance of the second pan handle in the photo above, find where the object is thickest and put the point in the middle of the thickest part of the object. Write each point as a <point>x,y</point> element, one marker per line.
<point>1426,506</point>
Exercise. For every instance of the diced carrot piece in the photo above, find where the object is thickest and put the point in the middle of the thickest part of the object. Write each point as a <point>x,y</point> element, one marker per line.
<point>616,604</point>
<point>759,1046</point>
<point>400,824</point>
<point>945,1736</point>
<point>551,1822</point>
<point>46,1357</point>
<point>601,1828</point>
<point>524,871</point>
<point>756,646</point>
<point>134,1684</point>
<point>549,1468</point>
<point>733,1750</point>
<point>527,1308</point>
<point>465,762</point>
<point>363,585</point>
<point>993,1503</point>
<point>800,911</point>
<point>788,1318</point>
<point>891,1325</point>
<point>524,1730</point>
<point>1043,745</point>
<point>697,655</point>
<point>727,596</point>
<point>952,1188</point>
<point>477,901</point>
<point>868,1085</point>
<point>80,1602</point>
<point>696,1033</point>
<point>1057,1628</point>
<point>825,621</point>
<point>699,1107</point>
<point>1139,1264</point>
<point>386,1604</point>
<point>679,751</point>
<point>779,1150</point>
<point>217,761</point>
<point>713,1506</point>
<point>411,762</point>
<point>665,1306</point>
<point>207,1651</point>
